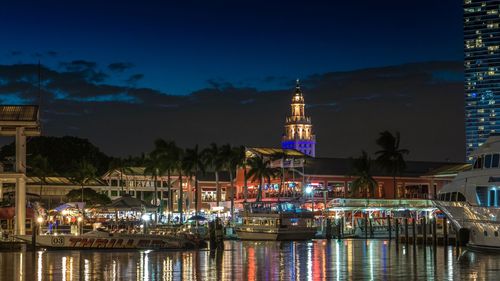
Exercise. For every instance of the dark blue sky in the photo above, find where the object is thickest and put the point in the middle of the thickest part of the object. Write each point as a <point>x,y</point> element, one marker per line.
<point>182,46</point>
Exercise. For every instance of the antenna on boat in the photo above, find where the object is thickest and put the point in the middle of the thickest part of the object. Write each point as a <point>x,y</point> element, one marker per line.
<point>39,93</point>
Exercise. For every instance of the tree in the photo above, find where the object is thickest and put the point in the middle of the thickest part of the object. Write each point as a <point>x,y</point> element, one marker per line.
<point>62,153</point>
<point>91,196</point>
<point>193,164</point>
<point>82,174</point>
<point>121,165</point>
<point>42,169</point>
<point>214,159</point>
<point>364,181</point>
<point>231,159</point>
<point>155,168</point>
<point>241,160</point>
<point>168,153</point>
<point>179,166</point>
<point>391,157</point>
<point>280,172</point>
<point>260,169</point>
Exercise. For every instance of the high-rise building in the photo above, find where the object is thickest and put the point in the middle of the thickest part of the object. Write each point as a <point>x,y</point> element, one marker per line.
<point>482,73</point>
<point>298,127</point>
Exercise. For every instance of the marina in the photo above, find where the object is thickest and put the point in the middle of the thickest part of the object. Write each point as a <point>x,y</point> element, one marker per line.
<point>250,140</point>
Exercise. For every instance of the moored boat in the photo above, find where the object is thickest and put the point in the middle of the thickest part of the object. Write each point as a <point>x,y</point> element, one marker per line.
<point>265,221</point>
<point>472,200</point>
<point>104,240</point>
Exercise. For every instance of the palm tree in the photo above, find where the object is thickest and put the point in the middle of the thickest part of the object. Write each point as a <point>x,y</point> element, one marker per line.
<point>168,153</point>
<point>241,160</point>
<point>41,168</point>
<point>364,181</point>
<point>155,168</point>
<point>282,156</point>
<point>122,166</point>
<point>391,157</point>
<point>213,158</point>
<point>83,173</point>
<point>232,159</point>
<point>179,165</point>
<point>260,169</point>
<point>193,163</point>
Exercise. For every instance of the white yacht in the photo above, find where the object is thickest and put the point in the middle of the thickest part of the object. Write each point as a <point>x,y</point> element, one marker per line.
<point>472,200</point>
<point>265,221</point>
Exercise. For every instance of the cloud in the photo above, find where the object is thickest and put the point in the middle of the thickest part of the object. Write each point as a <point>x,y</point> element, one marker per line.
<point>133,79</point>
<point>120,66</point>
<point>79,65</point>
<point>15,53</point>
<point>348,109</point>
<point>52,53</point>
<point>86,69</point>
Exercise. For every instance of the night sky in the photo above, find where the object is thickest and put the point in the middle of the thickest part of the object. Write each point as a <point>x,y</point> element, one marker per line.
<point>122,74</point>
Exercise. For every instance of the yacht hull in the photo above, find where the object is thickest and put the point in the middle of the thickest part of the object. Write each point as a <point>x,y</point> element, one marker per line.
<point>481,223</point>
<point>111,242</point>
<point>274,235</point>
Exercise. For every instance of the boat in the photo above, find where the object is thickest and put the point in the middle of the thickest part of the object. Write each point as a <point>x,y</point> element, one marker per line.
<point>472,200</point>
<point>268,221</point>
<point>100,239</point>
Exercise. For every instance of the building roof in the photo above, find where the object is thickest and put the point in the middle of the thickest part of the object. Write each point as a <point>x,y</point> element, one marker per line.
<point>19,113</point>
<point>270,151</point>
<point>128,203</point>
<point>343,166</point>
<point>62,181</point>
<point>14,116</point>
<point>139,172</point>
<point>449,170</point>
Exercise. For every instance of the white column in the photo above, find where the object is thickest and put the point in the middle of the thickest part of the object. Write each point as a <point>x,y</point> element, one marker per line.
<point>20,224</point>
<point>20,209</point>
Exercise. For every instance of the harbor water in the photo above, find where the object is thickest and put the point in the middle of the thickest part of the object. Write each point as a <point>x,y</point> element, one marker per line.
<point>311,260</point>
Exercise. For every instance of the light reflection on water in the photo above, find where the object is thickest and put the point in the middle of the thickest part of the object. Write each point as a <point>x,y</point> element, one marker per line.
<point>316,260</point>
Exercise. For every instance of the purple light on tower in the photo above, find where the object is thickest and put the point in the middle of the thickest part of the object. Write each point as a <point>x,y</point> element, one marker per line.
<point>298,127</point>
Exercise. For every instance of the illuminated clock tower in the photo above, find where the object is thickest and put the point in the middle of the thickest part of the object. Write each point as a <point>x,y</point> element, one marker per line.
<point>298,128</point>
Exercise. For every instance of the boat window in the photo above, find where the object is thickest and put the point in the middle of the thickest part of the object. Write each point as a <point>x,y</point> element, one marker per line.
<point>461,197</point>
<point>494,160</point>
<point>485,233</point>
<point>454,196</point>
<point>447,196</point>
<point>496,233</point>
<point>479,163</point>
<point>482,194</point>
<point>492,198</point>
<point>441,197</point>
<point>487,161</point>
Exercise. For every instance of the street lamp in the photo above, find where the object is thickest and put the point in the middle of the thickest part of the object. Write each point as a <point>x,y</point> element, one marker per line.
<point>80,226</point>
<point>309,191</point>
<point>39,221</point>
<point>145,218</point>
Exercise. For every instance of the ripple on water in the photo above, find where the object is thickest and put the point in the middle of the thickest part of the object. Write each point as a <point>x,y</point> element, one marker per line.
<point>313,260</point>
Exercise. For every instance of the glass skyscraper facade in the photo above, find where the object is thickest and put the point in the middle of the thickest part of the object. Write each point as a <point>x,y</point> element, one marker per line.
<point>482,76</point>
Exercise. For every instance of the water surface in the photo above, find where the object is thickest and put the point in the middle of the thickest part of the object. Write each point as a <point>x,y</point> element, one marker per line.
<point>313,260</point>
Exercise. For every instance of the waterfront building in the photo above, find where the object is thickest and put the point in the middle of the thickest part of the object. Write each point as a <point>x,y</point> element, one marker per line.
<point>482,71</point>
<point>332,178</point>
<point>132,181</point>
<point>298,127</point>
